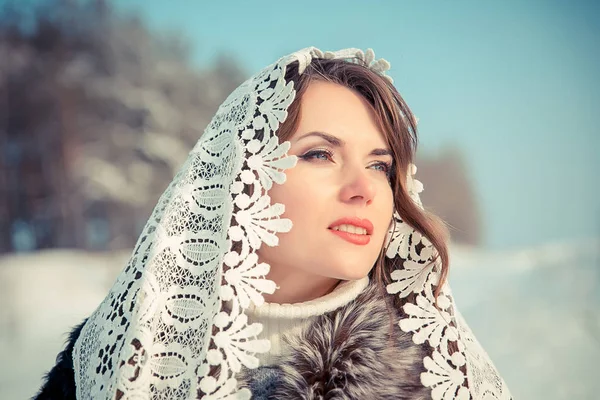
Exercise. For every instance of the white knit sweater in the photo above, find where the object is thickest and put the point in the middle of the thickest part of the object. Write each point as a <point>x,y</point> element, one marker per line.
<point>289,319</point>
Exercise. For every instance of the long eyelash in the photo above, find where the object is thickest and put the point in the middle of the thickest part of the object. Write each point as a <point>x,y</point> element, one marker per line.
<point>310,154</point>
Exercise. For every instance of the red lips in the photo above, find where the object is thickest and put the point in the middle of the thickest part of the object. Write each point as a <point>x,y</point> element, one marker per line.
<point>361,223</point>
<point>353,237</point>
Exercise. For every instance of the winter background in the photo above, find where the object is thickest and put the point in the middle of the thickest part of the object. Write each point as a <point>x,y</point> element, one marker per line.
<point>100,101</point>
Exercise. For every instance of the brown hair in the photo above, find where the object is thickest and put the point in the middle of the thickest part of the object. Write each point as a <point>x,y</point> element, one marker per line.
<point>397,123</point>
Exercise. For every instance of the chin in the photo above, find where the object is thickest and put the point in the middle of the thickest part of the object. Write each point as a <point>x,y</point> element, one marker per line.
<point>351,272</point>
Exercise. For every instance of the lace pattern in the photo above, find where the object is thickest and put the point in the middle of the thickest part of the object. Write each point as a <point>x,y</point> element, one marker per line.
<point>173,325</point>
<point>458,368</point>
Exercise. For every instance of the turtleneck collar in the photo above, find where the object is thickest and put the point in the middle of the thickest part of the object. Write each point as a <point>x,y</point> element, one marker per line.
<point>342,294</point>
<point>284,320</point>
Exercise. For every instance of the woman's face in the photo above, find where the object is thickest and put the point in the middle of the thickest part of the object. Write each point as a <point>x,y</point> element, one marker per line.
<point>338,196</point>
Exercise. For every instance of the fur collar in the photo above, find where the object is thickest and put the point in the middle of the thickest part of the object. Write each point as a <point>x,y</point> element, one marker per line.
<point>347,354</point>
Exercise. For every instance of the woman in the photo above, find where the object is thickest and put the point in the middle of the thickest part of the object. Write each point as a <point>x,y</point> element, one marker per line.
<point>361,309</point>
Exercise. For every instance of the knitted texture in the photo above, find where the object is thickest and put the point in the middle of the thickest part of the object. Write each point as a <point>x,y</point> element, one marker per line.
<point>279,320</point>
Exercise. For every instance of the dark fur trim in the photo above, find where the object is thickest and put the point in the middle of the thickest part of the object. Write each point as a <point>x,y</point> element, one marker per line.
<point>60,380</point>
<point>350,354</point>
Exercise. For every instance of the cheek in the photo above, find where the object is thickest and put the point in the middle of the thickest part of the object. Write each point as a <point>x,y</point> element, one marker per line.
<point>297,195</point>
<point>284,194</point>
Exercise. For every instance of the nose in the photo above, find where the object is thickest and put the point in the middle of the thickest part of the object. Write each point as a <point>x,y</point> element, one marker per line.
<point>357,187</point>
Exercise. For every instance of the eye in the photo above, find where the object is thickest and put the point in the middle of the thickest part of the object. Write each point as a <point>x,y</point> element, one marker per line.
<point>323,155</point>
<point>383,167</point>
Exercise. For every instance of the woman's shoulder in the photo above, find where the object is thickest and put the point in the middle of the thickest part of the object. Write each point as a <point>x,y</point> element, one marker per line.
<point>59,382</point>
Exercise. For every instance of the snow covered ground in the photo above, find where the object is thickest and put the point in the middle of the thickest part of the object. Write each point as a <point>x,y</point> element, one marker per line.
<point>42,295</point>
<point>536,312</point>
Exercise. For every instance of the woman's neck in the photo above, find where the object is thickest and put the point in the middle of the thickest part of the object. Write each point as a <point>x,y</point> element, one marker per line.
<point>298,287</point>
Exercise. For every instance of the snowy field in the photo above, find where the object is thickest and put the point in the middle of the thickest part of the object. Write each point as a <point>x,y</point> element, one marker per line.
<point>536,311</point>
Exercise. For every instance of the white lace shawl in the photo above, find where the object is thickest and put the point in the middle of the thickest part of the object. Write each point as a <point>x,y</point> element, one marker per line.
<point>163,331</point>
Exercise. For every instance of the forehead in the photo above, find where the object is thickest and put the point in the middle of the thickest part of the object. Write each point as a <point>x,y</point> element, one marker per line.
<point>339,111</point>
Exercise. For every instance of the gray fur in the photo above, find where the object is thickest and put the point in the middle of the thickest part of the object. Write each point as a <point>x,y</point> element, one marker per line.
<point>348,354</point>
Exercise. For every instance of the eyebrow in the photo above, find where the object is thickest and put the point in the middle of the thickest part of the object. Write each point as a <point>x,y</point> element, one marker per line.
<point>337,142</point>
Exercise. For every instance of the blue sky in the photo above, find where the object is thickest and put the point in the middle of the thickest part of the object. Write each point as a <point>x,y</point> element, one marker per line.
<point>514,84</point>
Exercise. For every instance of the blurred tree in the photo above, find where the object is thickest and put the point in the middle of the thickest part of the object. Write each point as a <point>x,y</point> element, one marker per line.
<point>96,114</point>
<point>449,194</point>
